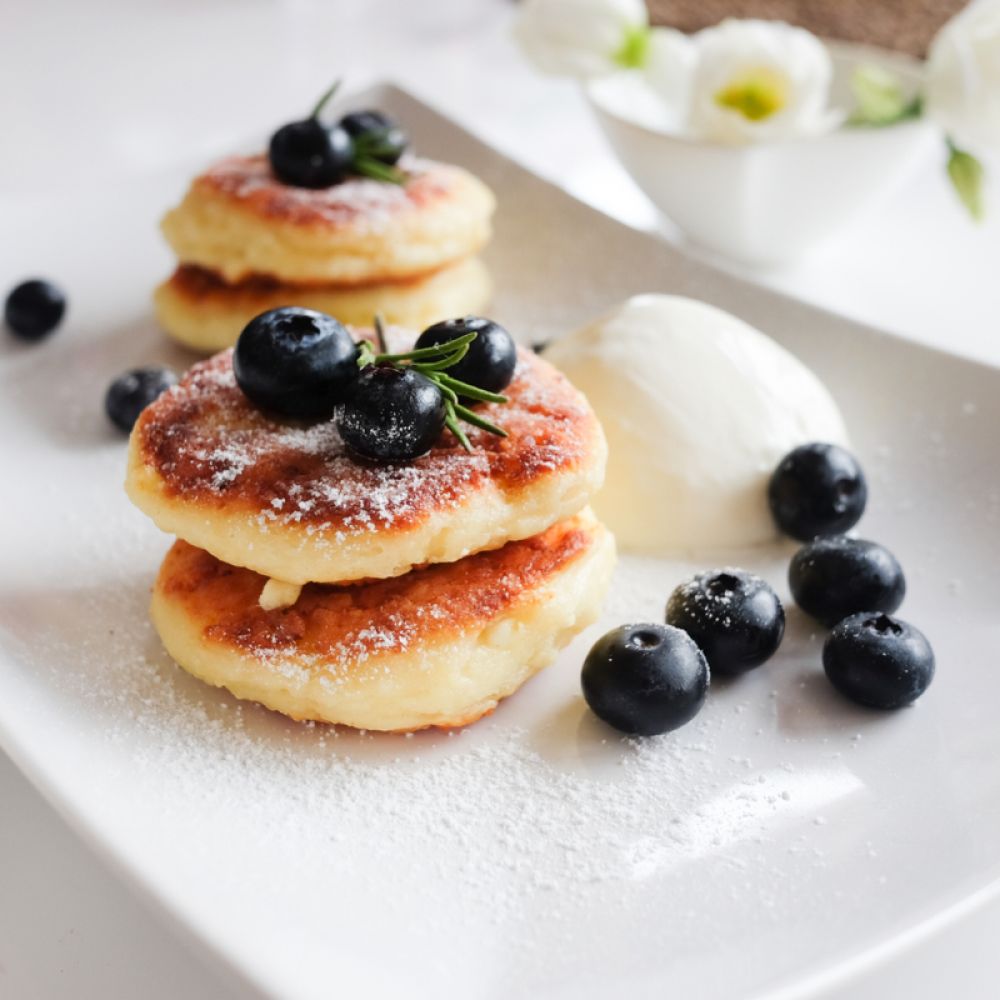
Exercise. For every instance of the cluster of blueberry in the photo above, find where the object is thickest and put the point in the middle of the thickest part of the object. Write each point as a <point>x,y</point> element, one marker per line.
<point>652,678</point>
<point>311,154</point>
<point>388,407</point>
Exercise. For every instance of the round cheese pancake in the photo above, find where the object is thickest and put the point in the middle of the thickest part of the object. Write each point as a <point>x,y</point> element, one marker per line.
<point>238,220</point>
<point>200,310</point>
<point>437,647</point>
<point>288,500</point>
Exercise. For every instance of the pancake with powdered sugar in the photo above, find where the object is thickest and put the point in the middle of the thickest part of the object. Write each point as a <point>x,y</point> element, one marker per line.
<point>288,500</point>
<point>437,647</point>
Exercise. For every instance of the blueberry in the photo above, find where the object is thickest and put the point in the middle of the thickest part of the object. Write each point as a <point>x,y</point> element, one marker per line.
<point>492,356</point>
<point>391,414</point>
<point>295,362</point>
<point>34,309</point>
<point>817,489</point>
<point>735,618</point>
<point>878,661</point>
<point>132,392</point>
<point>380,136</point>
<point>645,679</point>
<point>832,578</point>
<point>310,154</point>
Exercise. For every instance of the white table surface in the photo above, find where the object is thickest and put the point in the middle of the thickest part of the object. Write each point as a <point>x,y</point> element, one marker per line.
<point>91,93</point>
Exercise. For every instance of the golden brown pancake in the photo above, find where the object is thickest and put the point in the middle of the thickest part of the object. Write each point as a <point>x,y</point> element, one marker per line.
<point>200,310</point>
<point>238,220</point>
<point>288,500</point>
<point>437,647</point>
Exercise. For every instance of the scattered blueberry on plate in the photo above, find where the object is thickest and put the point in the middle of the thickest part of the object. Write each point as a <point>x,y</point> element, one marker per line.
<point>645,679</point>
<point>878,661</point>
<point>817,489</point>
<point>295,362</point>
<point>34,309</point>
<point>491,358</point>
<point>831,578</point>
<point>735,618</point>
<point>133,391</point>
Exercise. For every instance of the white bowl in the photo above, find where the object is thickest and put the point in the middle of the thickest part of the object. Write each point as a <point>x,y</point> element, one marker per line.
<point>764,203</point>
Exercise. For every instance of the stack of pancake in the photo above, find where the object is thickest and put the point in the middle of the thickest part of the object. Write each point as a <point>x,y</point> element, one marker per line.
<point>247,243</point>
<point>381,596</point>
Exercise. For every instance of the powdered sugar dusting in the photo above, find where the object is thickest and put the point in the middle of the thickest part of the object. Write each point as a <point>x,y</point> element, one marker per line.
<point>363,203</point>
<point>211,444</point>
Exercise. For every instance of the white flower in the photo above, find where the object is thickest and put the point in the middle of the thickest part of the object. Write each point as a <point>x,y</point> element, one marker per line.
<point>583,38</point>
<point>963,77</point>
<point>669,69</point>
<point>758,80</point>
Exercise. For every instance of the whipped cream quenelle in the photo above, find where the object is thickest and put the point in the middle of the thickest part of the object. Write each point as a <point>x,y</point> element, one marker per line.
<point>698,408</point>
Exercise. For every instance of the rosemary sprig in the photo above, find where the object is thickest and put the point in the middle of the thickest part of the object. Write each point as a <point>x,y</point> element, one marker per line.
<point>367,159</point>
<point>432,363</point>
<point>325,99</point>
<point>367,150</point>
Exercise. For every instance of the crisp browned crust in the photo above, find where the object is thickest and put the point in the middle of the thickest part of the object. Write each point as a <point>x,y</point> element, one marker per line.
<point>209,446</point>
<point>440,646</point>
<point>200,285</point>
<point>200,309</point>
<point>350,623</point>
<point>288,500</point>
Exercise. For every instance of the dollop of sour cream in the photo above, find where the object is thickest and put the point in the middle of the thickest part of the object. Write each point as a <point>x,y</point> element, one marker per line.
<point>698,408</point>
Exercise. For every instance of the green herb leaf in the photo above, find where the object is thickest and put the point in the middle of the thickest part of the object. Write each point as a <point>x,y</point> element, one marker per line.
<point>322,102</point>
<point>383,347</point>
<point>471,417</point>
<point>880,98</point>
<point>449,361</point>
<point>634,49</point>
<point>432,363</point>
<point>366,354</point>
<point>430,352</point>
<point>472,391</point>
<point>367,166</point>
<point>451,422</point>
<point>966,174</point>
<point>374,143</point>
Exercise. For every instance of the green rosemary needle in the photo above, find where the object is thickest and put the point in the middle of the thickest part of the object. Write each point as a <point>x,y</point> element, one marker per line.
<point>432,363</point>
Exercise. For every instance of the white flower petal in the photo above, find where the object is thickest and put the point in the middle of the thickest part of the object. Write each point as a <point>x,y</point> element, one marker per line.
<point>787,67</point>
<point>963,77</point>
<point>577,37</point>
<point>669,71</point>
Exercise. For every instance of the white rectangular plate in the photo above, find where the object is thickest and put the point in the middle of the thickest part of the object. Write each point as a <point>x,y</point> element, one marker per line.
<point>780,840</point>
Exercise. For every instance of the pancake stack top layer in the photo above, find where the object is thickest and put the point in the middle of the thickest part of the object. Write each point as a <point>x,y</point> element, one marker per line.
<point>246,242</point>
<point>238,221</point>
<point>288,501</point>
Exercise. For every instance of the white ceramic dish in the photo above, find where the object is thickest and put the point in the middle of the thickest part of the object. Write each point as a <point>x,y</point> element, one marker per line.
<point>781,841</point>
<point>766,203</point>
